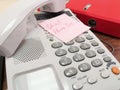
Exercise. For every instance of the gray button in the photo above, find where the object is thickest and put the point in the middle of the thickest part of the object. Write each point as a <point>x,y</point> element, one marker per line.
<point>89,37</point>
<point>84,67</point>
<point>57,45</point>
<point>69,43</point>
<point>100,51</point>
<point>107,59</point>
<point>78,57</point>
<point>90,53</point>
<point>65,61</point>
<point>69,72</point>
<point>96,62</point>
<point>73,49</point>
<point>79,39</point>
<point>94,43</point>
<point>51,39</point>
<point>60,52</point>
<point>77,86</point>
<point>84,46</point>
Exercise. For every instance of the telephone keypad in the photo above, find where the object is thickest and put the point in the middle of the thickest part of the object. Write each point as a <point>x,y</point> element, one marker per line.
<point>81,56</point>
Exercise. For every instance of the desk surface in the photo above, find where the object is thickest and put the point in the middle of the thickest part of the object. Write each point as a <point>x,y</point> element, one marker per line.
<point>114,42</point>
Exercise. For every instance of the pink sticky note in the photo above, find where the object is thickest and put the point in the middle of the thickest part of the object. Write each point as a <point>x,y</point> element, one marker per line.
<point>64,27</point>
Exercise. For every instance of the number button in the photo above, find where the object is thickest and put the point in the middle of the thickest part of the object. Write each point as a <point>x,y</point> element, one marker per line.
<point>78,57</point>
<point>90,53</point>
<point>107,59</point>
<point>96,62</point>
<point>89,37</point>
<point>60,52</point>
<point>77,86</point>
<point>100,51</point>
<point>70,72</point>
<point>84,67</point>
<point>73,49</point>
<point>84,46</point>
<point>69,43</point>
<point>65,61</point>
<point>57,45</point>
<point>79,39</point>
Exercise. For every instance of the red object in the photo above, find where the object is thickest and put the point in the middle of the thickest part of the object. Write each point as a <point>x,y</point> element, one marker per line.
<point>38,9</point>
<point>106,13</point>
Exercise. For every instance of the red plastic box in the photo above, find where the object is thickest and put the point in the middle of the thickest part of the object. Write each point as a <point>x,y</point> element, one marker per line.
<point>102,15</point>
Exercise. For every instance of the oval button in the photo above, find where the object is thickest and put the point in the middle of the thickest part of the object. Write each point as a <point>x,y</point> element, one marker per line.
<point>115,70</point>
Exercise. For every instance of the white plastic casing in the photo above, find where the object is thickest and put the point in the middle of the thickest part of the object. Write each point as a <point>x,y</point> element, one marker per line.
<point>13,21</point>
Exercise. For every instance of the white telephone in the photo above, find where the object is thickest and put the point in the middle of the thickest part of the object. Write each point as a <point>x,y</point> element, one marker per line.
<point>14,21</point>
<point>36,60</point>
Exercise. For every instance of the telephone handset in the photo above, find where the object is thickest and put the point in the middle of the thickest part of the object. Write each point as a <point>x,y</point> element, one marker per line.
<point>14,20</point>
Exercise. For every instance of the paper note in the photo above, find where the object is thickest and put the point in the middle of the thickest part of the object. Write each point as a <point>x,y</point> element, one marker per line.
<point>64,27</point>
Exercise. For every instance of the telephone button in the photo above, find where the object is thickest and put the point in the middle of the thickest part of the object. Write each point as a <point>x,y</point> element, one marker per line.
<point>100,51</point>
<point>84,67</point>
<point>78,57</point>
<point>73,49</point>
<point>60,52</point>
<point>89,37</point>
<point>84,46</point>
<point>115,70</point>
<point>105,74</point>
<point>90,53</point>
<point>64,61</point>
<point>69,72</point>
<point>96,62</point>
<point>69,43</point>
<point>92,80</point>
<point>107,59</point>
<point>77,86</point>
<point>79,39</point>
<point>57,45</point>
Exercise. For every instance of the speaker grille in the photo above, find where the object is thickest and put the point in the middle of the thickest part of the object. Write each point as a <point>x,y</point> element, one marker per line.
<point>30,49</point>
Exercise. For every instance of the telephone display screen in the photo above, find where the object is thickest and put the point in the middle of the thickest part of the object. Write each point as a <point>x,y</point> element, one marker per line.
<point>43,79</point>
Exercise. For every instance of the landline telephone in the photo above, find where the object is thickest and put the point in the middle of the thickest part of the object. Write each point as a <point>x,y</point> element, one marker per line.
<point>36,60</point>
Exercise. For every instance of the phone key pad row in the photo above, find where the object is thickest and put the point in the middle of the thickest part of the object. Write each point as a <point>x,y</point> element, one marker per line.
<point>64,61</point>
<point>78,57</point>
